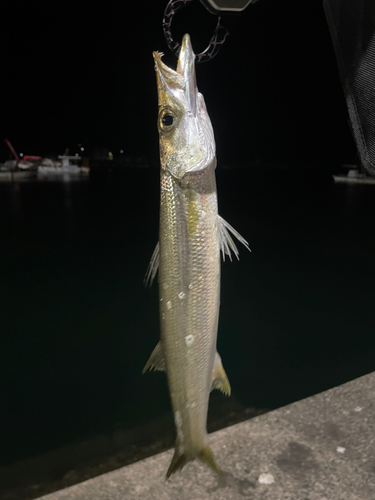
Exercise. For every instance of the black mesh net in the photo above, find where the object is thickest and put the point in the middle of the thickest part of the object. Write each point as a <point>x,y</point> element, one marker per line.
<point>352,27</point>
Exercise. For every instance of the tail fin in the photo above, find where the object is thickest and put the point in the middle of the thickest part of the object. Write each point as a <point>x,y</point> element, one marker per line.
<point>180,459</point>
<point>206,456</point>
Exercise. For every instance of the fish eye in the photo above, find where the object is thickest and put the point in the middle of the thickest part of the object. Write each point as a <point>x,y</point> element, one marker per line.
<point>167,120</point>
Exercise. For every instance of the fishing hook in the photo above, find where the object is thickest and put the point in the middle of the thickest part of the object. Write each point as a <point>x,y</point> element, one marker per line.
<point>214,45</point>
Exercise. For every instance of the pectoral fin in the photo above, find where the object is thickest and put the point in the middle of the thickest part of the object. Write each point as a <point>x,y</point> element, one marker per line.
<point>226,242</point>
<point>153,266</point>
<point>219,377</point>
<point>156,361</point>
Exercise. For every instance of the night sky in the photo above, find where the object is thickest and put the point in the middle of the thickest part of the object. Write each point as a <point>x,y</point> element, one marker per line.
<point>83,73</point>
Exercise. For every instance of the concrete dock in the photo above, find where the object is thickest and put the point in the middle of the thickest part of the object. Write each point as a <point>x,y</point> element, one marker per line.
<point>320,448</point>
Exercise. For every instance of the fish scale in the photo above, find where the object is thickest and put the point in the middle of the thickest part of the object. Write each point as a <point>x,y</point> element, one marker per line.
<point>192,267</point>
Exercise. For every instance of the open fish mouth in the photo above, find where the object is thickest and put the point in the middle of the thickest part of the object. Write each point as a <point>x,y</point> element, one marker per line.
<point>187,141</point>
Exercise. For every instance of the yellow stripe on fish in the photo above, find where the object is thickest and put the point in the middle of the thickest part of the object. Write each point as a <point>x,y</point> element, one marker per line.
<point>193,215</point>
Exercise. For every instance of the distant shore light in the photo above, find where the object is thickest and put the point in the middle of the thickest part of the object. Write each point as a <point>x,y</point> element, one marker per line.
<point>121,151</point>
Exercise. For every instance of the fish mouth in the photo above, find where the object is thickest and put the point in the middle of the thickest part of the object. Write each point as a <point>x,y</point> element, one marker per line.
<point>182,79</point>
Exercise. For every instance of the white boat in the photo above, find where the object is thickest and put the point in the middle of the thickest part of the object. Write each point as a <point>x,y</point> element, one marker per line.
<point>26,166</point>
<point>355,175</point>
<point>65,166</point>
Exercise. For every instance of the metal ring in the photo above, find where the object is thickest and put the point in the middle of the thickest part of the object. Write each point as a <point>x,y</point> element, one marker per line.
<point>217,40</point>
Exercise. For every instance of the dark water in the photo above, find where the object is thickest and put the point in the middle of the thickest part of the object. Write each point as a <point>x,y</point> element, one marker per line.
<point>77,325</point>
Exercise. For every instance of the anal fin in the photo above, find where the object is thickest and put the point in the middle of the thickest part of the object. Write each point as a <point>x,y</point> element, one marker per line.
<point>219,377</point>
<point>156,361</point>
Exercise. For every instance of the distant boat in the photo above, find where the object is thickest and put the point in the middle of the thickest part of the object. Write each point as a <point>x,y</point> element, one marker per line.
<point>354,175</point>
<point>28,163</point>
<point>42,167</point>
<point>65,166</point>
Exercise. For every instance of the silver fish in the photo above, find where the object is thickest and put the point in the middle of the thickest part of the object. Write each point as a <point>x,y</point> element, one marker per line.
<point>188,256</point>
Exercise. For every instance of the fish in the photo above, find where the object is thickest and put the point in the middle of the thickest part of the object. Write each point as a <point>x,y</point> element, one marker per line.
<point>191,237</point>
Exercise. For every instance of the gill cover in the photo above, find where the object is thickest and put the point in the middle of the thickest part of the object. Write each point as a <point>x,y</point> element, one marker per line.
<point>186,137</point>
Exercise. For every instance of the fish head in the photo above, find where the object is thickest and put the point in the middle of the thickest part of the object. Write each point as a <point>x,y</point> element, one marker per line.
<point>186,137</point>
